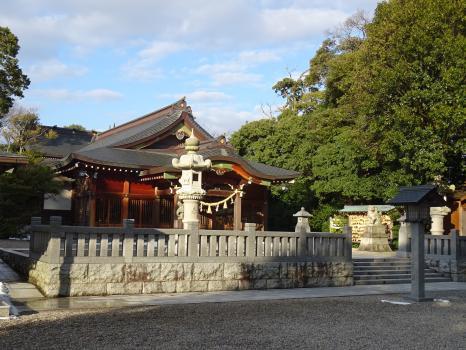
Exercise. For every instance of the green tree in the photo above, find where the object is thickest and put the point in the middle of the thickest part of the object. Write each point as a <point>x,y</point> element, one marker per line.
<point>21,195</point>
<point>77,127</point>
<point>381,105</point>
<point>22,128</point>
<point>12,80</point>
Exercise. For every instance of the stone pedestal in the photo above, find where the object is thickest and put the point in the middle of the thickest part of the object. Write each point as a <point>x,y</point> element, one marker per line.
<point>437,214</point>
<point>374,239</point>
<point>191,210</point>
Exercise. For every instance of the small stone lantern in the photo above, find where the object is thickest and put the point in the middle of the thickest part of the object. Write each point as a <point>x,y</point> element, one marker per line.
<point>191,191</point>
<point>417,201</point>
<point>303,222</point>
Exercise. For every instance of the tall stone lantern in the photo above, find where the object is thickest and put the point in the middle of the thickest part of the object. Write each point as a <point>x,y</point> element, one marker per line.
<point>417,201</point>
<point>191,192</point>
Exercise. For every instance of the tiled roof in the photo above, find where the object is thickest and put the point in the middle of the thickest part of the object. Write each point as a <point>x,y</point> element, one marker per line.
<point>364,208</point>
<point>138,132</point>
<point>111,146</point>
<point>416,195</point>
<point>66,142</point>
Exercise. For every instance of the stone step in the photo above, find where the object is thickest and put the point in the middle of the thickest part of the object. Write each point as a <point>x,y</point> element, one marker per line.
<point>381,264</point>
<point>381,267</point>
<point>399,281</point>
<point>381,272</point>
<point>381,260</point>
<point>393,276</point>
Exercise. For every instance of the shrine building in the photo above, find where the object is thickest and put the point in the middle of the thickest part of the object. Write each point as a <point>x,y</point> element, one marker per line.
<point>126,173</point>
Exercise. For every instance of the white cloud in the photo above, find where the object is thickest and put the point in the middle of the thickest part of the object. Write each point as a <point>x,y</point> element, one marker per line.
<point>143,67</point>
<point>72,95</point>
<point>44,26</point>
<point>51,69</point>
<point>298,23</point>
<point>200,96</point>
<point>238,69</point>
<point>223,119</point>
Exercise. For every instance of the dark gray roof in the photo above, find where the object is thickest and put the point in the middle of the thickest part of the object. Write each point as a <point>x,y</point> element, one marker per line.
<point>111,146</point>
<point>416,195</point>
<point>364,208</point>
<point>125,157</point>
<point>135,133</point>
<point>272,170</point>
<point>66,142</point>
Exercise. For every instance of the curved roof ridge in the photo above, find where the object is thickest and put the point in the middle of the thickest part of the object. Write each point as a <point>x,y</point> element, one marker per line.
<point>180,104</point>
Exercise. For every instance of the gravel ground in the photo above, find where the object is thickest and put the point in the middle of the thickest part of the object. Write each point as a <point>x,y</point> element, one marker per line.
<point>330,323</point>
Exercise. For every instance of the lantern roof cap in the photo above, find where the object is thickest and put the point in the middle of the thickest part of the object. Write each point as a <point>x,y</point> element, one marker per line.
<point>302,213</point>
<point>422,194</point>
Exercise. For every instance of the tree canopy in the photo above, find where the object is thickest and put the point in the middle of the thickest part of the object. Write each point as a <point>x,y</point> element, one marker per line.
<point>22,128</point>
<point>22,194</point>
<point>12,80</point>
<point>381,105</point>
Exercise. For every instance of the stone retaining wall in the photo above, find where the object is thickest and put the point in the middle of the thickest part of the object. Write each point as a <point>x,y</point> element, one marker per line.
<point>456,269</point>
<point>172,277</point>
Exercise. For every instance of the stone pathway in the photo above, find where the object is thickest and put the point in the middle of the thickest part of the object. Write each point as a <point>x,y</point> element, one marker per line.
<point>116,301</point>
<point>19,290</point>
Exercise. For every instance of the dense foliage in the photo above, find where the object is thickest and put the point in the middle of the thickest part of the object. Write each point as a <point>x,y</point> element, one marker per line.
<point>21,195</point>
<point>12,80</point>
<point>381,105</point>
<point>21,128</point>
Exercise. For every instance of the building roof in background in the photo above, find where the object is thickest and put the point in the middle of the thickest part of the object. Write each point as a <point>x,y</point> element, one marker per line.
<point>66,142</point>
<point>383,208</point>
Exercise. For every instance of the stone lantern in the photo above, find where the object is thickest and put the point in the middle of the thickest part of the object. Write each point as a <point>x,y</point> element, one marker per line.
<point>303,222</point>
<point>417,201</point>
<point>191,191</point>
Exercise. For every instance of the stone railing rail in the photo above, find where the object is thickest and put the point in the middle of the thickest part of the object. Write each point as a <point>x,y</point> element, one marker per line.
<point>450,246</point>
<point>56,243</point>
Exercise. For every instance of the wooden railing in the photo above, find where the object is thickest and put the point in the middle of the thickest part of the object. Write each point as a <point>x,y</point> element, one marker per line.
<point>56,243</point>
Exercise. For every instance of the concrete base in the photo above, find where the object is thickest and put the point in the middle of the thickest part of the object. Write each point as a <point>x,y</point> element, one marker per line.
<point>375,239</point>
<point>4,309</point>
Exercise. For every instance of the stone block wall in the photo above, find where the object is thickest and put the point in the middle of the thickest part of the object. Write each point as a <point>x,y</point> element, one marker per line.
<point>456,269</point>
<point>78,279</point>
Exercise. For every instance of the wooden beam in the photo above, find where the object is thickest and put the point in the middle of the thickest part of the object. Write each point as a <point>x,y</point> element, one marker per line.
<point>237,224</point>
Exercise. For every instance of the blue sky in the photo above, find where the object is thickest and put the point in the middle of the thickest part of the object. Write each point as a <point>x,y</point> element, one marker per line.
<point>104,62</point>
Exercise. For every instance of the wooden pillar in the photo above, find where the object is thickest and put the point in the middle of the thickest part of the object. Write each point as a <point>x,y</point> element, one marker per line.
<point>125,201</point>
<point>91,204</point>
<point>265,208</point>
<point>237,225</point>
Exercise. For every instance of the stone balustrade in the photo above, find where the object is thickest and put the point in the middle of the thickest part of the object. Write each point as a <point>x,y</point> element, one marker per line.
<point>73,260</point>
<point>56,243</point>
<point>447,254</point>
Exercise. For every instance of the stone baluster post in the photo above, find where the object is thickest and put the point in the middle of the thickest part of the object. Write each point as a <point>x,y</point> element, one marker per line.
<point>348,232</point>
<point>437,214</point>
<point>403,239</point>
<point>128,242</point>
<point>250,228</point>
<point>53,247</point>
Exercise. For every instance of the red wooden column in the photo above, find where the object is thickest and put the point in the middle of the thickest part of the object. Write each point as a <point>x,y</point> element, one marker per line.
<point>237,225</point>
<point>92,206</point>
<point>125,201</point>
